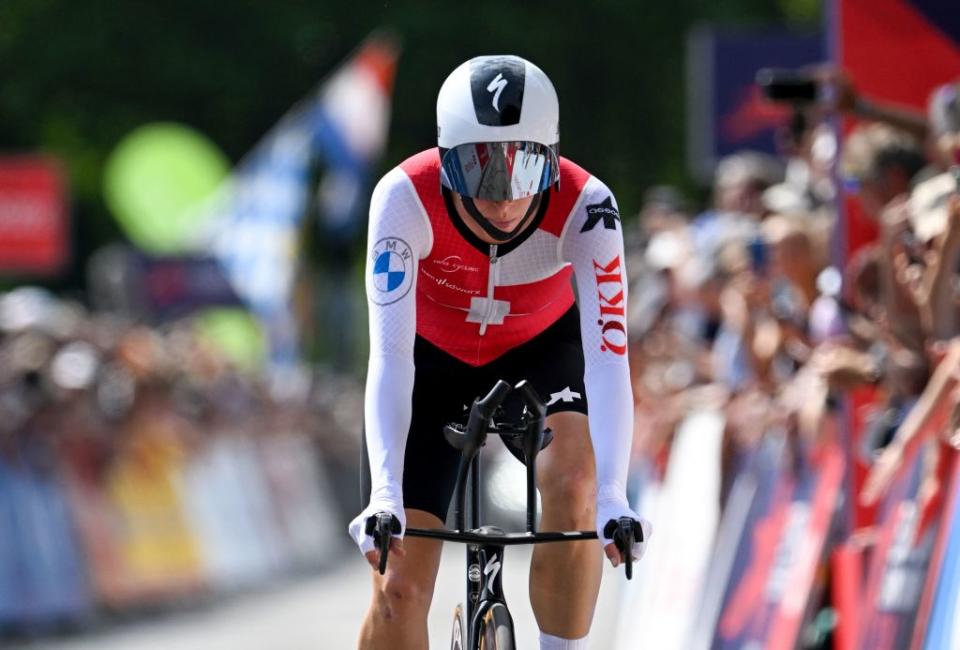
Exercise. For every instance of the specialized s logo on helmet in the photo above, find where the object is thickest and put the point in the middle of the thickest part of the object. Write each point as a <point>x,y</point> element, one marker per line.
<point>496,87</point>
<point>391,273</point>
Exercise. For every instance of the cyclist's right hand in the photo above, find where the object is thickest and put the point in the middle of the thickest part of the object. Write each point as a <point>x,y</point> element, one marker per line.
<point>368,546</point>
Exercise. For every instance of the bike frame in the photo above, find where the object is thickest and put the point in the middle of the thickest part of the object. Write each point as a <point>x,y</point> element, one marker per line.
<point>484,586</point>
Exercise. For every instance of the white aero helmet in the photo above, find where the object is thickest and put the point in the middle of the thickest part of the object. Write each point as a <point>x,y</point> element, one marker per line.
<point>498,127</point>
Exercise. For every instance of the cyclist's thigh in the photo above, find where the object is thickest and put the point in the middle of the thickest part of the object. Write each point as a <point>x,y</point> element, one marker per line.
<point>443,389</point>
<point>570,455</point>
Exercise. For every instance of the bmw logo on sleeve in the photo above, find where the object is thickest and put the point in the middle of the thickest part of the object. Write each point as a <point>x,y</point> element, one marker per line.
<point>392,274</point>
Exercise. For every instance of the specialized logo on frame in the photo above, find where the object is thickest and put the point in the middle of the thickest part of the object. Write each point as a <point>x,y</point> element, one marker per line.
<point>491,571</point>
<point>392,271</point>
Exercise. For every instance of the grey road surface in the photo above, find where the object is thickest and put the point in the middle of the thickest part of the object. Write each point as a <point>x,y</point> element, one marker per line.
<point>324,613</point>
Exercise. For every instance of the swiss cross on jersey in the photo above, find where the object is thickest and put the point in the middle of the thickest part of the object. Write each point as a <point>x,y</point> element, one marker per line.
<point>603,210</point>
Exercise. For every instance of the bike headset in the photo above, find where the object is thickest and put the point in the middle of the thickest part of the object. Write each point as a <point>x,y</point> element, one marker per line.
<point>498,126</point>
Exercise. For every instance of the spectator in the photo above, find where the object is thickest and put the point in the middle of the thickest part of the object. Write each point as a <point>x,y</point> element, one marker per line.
<point>880,164</point>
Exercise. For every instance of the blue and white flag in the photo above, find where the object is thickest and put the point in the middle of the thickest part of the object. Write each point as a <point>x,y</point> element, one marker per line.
<point>260,208</point>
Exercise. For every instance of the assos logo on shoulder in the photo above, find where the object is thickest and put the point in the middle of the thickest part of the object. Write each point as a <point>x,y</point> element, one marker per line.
<point>612,321</point>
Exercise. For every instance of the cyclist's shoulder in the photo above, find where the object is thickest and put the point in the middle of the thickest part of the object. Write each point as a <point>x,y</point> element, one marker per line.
<point>425,163</point>
<point>578,191</point>
<point>399,208</point>
<point>418,175</point>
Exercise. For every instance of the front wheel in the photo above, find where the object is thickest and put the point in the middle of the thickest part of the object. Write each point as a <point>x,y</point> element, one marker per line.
<point>496,629</point>
<point>458,640</point>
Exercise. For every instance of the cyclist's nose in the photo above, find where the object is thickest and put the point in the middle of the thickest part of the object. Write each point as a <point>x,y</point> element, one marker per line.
<point>500,208</point>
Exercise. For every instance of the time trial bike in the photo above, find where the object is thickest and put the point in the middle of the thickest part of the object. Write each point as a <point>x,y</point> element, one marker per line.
<point>484,622</point>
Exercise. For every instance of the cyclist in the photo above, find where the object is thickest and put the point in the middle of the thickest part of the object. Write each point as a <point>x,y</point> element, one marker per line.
<point>470,256</point>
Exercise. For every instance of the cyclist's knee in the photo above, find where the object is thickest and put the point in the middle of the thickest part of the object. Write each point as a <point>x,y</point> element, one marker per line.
<point>401,595</point>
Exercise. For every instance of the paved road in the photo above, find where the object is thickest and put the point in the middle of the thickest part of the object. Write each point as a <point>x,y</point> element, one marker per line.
<point>324,612</point>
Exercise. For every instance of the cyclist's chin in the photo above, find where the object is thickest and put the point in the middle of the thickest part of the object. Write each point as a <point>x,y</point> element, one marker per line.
<point>506,224</point>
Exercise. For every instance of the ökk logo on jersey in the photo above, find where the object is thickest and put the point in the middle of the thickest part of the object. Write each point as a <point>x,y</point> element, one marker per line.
<point>392,271</point>
<point>613,316</point>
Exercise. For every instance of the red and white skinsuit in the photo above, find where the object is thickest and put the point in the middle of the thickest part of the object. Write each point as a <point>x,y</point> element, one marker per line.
<point>475,302</point>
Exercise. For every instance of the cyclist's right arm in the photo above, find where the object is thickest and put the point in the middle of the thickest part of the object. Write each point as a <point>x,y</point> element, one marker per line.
<point>399,236</point>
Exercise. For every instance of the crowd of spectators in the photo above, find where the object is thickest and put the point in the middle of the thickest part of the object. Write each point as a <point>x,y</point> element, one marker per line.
<point>140,466</point>
<point>745,307</point>
<point>741,307</point>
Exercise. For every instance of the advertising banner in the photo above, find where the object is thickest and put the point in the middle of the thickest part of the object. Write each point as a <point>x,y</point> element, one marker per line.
<point>773,577</point>
<point>938,622</point>
<point>34,237</point>
<point>725,109</point>
<point>898,564</point>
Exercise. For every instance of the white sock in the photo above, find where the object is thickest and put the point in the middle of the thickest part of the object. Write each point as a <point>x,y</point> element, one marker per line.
<point>549,642</point>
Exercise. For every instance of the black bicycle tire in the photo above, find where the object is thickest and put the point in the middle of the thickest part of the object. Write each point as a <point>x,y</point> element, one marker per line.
<point>496,629</point>
<point>458,637</point>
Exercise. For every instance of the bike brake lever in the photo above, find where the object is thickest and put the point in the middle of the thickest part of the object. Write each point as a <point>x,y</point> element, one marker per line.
<point>382,527</point>
<point>624,532</point>
<point>626,525</point>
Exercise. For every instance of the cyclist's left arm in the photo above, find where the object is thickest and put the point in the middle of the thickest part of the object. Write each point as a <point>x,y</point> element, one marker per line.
<point>592,243</point>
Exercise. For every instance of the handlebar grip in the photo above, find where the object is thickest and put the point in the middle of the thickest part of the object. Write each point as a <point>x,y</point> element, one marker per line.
<point>531,399</point>
<point>382,527</point>
<point>628,550</point>
<point>480,414</point>
<point>624,532</point>
<point>493,399</point>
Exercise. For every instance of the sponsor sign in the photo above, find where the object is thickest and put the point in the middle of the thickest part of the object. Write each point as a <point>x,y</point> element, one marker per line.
<point>938,619</point>
<point>604,212</point>
<point>612,321</point>
<point>391,271</point>
<point>726,111</point>
<point>898,565</point>
<point>170,287</point>
<point>773,576</point>
<point>34,236</point>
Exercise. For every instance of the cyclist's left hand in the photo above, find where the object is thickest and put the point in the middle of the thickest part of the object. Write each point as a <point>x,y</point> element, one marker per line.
<point>614,510</point>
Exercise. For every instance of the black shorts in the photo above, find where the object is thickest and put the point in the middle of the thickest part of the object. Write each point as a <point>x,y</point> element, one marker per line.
<point>444,388</point>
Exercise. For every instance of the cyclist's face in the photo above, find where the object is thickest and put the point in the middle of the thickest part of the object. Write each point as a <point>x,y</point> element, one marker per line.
<point>504,215</point>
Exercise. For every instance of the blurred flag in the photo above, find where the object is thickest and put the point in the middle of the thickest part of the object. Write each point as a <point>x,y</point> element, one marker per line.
<point>342,124</point>
<point>896,51</point>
